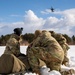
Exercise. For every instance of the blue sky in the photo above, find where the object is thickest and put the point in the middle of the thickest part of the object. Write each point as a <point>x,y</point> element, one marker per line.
<point>35,14</point>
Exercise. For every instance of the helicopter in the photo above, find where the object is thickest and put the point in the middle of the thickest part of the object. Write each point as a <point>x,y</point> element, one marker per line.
<point>52,9</point>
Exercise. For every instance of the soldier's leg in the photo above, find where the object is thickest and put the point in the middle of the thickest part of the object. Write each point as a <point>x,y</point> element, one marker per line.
<point>34,54</point>
<point>54,64</point>
<point>33,60</point>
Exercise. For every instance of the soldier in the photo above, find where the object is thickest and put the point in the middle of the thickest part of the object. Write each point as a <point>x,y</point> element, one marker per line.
<point>62,41</point>
<point>46,48</point>
<point>11,54</point>
<point>13,45</point>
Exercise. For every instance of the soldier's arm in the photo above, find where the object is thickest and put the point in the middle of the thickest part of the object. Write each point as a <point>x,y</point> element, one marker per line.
<point>14,46</point>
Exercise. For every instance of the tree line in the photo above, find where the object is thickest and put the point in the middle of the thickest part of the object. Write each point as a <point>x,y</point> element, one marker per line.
<point>29,37</point>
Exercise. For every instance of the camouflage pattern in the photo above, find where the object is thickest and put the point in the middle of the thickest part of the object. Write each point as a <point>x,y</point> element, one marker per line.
<point>62,41</point>
<point>13,45</point>
<point>46,48</point>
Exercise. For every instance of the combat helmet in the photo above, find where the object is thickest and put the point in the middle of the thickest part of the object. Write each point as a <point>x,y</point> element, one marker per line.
<point>18,31</point>
<point>37,33</point>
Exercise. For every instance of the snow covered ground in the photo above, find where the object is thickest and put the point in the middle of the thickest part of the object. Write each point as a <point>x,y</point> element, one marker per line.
<point>46,71</point>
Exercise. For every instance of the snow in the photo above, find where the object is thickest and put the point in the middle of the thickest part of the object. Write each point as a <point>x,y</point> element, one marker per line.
<point>46,71</point>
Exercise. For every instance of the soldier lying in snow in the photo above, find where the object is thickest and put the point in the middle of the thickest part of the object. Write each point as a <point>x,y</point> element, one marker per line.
<point>46,48</point>
<point>13,60</point>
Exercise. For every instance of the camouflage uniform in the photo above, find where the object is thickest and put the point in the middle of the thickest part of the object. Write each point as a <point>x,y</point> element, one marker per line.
<point>46,48</point>
<point>13,45</point>
<point>62,41</point>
